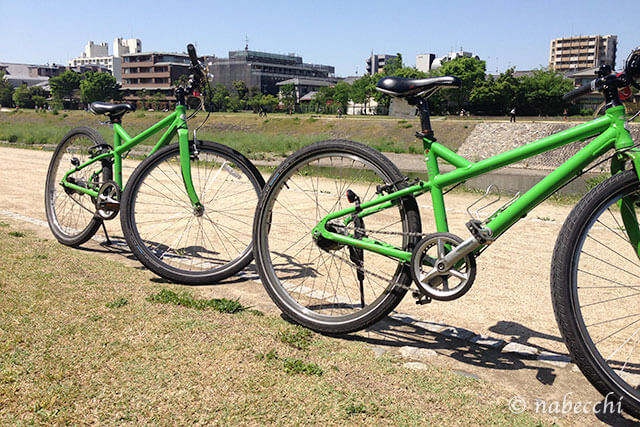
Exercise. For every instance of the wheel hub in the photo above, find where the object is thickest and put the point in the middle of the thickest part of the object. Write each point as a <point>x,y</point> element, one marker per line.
<point>198,211</point>
<point>330,245</point>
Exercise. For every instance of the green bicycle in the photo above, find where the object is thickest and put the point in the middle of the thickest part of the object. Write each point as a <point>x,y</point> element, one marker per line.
<point>187,207</point>
<point>339,241</point>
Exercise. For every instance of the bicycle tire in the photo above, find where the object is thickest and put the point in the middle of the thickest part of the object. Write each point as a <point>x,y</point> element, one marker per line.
<point>290,261</point>
<point>155,197</point>
<point>71,214</point>
<point>592,260</point>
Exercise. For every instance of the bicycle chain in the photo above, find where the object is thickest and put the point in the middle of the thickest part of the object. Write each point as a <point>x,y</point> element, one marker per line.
<point>364,270</point>
<point>389,233</point>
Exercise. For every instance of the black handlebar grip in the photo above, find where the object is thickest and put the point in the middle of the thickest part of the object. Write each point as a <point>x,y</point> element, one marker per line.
<point>192,54</point>
<point>582,90</point>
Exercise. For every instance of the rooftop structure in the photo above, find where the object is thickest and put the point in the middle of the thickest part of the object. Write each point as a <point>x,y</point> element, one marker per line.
<point>98,54</point>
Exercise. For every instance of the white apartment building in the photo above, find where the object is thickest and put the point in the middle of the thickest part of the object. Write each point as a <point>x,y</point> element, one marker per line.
<point>99,54</point>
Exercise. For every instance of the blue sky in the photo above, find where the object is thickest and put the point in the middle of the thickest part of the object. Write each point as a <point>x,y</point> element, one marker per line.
<point>339,33</point>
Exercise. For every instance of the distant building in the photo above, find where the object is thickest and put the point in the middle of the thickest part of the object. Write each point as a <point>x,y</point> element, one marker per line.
<point>375,63</point>
<point>264,70</point>
<point>98,54</point>
<point>305,89</point>
<point>152,72</point>
<point>30,74</point>
<point>592,100</point>
<point>438,62</point>
<point>424,61</point>
<point>582,53</point>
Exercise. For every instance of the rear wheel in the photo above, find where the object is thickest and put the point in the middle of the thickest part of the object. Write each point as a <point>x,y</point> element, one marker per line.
<point>594,282</point>
<point>323,285</point>
<point>184,244</point>
<point>71,213</point>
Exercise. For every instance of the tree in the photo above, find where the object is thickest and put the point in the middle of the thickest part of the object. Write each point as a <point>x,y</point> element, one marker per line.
<point>217,99</point>
<point>472,73</point>
<point>62,86</point>
<point>322,98</point>
<point>6,92</point>
<point>393,65</point>
<point>97,86</point>
<point>183,81</point>
<point>342,94</point>
<point>22,97</point>
<point>157,100</point>
<point>241,88</point>
<point>235,104</point>
<point>542,93</point>
<point>288,96</point>
<point>363,89</point>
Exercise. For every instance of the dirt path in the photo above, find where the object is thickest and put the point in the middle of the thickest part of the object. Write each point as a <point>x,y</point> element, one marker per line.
<point>510,299</point>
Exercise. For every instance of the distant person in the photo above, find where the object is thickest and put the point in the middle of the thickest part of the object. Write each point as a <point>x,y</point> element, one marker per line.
<point>564,114</point>
<point>339,112</point>
<point>263,112</point>
<point>512,115</point>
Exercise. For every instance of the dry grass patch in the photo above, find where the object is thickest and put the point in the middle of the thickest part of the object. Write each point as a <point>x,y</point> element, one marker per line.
<point>73,352</point>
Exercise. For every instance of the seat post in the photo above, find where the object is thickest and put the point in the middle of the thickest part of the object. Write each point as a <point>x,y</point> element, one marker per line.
<point>425,122</point>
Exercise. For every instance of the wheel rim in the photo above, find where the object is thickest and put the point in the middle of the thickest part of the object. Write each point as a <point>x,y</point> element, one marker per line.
<point>605,293</point>
<point>70,212</point>
<point>319,284</point>
<point>187,240</point>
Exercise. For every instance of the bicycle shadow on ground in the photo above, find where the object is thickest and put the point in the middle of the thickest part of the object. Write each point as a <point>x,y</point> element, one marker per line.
<point>391,335</point>
<point>117,245</point>
<point>521,334</point>
<point>394,334</point>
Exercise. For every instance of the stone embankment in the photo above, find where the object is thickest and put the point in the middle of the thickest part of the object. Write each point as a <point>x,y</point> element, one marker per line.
<point>492,138</point>
<point>489,139</point>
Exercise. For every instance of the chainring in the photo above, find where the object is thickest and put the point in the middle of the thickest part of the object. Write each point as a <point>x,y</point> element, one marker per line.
<point>426,256</point>
<point>108,200</point>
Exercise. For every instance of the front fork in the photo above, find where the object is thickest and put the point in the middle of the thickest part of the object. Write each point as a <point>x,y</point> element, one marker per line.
<point>627,205</point>
<point>185,166</point>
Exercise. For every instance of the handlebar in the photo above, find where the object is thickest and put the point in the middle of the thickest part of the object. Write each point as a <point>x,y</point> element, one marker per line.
<point>192,54</point>
<point>592,86</point>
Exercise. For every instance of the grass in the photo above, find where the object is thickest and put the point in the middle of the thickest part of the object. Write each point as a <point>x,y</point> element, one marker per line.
<point>185,299</point>
<point>120,302</point>
<point>245,132</point>
<point>67,358</point>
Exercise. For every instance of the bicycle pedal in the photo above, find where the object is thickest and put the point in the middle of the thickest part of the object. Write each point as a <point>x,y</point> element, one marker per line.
<point>421,299</point>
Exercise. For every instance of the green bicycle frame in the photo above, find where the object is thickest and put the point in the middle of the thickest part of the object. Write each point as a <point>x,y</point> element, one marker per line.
<point>611,132</point>
<point>122,142</point>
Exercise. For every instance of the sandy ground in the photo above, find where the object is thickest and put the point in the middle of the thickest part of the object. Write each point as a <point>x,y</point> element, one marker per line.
<point>509,300</point>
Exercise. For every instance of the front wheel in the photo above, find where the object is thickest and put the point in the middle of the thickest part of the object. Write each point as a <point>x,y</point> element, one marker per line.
<point>595,289</point>
<point>321,284</point>
<point>181,243</point>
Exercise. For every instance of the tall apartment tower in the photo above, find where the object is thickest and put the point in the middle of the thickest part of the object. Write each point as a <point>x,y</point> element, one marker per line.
<point>583,52</point>
<point>375,63</point>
